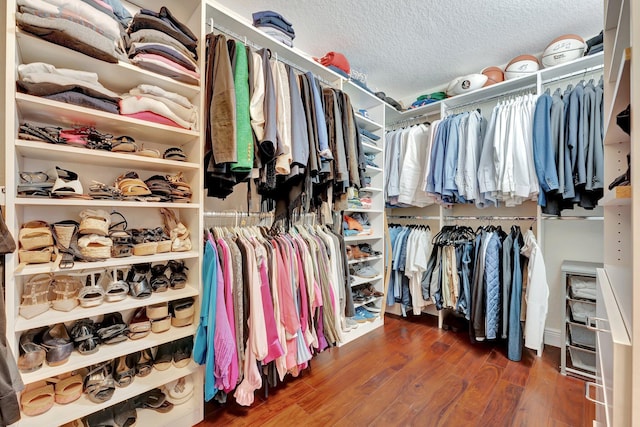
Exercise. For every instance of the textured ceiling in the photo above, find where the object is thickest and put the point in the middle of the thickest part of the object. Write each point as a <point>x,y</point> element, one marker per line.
<point>408,46</point>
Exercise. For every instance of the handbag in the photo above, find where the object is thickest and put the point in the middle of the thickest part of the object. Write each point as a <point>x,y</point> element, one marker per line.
<point>623,119</point>
<point>7,243</point>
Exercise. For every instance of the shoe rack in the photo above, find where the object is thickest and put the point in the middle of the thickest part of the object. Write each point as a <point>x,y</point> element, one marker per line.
<point>103,166</point>
<point>369,112</point>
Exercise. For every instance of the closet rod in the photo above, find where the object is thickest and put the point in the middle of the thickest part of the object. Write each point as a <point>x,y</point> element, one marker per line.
<point>574,74</point>
<point>214,214</point>
<point>430,218</point>
<point>582,218</point>
<point>523,90</point>
<point>212,25</point>
<point>411,119</point>
<point>490,217</point>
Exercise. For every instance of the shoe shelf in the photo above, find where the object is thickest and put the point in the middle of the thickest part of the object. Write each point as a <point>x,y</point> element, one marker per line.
<point>108,352</point>
<point>619,196</point>
<point>362,238</point>
<point>67,153</point>
<point>359,260</point>
<point>366,123</point>
<point>372,189</point>
<point>83,406</point>
<point>368,301</point>
<point>41,110</point>
<point>374,169</point>
<point>42,201</point>
<point>363,328</point>
<point>118,77</point>
<point>110,262</point>
<point>180,415</point>
<point>52,316</point>
<point>613,134</point>
<point>362,280</point>
<point>370,148</point>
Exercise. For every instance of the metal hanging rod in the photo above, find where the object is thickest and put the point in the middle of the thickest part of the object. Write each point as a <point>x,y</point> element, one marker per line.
<point>575,218</point>
<point>490,218</point>
<point>428,218</point>
<point>213,25</point>
<point>585,71</point>
<point>213,214</point>
<point>519,91</point>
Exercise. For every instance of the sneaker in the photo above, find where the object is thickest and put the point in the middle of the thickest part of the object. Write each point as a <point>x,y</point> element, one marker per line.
<point>366,271</point>
<point>350,323</point>
<point>364,313</point>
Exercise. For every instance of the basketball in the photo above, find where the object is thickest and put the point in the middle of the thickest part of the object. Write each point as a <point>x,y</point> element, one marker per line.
<point>522,65</point>
<point>494,75</point>
<point>563,49</point>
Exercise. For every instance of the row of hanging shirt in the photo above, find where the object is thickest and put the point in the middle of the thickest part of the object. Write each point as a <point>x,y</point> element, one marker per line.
<point>554,139</point>
<point>271,300</point>
<point>492,278</point>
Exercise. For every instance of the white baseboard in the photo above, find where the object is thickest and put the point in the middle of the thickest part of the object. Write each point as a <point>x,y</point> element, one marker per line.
<point>553,337</point>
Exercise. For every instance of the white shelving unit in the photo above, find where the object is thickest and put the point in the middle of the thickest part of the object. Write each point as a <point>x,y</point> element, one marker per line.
<point>22,155</point>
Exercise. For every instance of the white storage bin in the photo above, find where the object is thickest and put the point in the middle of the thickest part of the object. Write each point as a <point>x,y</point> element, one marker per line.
<point>582,287</point>
<point>581,335</point>
<point>581,309</point>
<point>583,359</point>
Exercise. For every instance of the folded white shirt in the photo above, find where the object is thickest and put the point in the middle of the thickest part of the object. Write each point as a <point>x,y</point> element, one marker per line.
<point>131,104</point>
<point>158,91</point>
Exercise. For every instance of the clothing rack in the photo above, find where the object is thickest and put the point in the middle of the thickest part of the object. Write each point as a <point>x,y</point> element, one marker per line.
<point>424,218</point>
<point>575,218</point>
<point>530,89</point>
<point>238,216</point>
<point>212,25</point>
<point>490,218</point>
<point>574,74</point>
<point>410,121</point>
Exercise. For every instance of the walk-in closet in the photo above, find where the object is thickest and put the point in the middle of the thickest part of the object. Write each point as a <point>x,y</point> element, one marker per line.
<point>235,212</point>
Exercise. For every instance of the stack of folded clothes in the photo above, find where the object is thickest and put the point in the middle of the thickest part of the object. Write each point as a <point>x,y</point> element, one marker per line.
<point>160,43</point>
<point>275,25</point>
<point>356,224</point>
<point>154,104</point>
<point>595,45</point>
<point>95,28</point>
<point>71,86</point>
<point>368,137</point>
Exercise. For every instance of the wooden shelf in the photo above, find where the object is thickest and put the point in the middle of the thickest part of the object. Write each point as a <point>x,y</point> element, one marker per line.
<point>373,211</point>
<point>359,238</point>
<point>41,110</point>
<point>369,148</point>
<point>109,352</point>
<point>612,13</point>
<point>67,153</point>
<point>52,316</point>
<point>619,196</point>
<point>613,134</point>
<point>120,77</point>
<point>361,97</point>
<point>374,169</point>
<point>372,189</point>
<point>180,415</point>
<point>362,280</point>
<point>31,269</point>
<point>83,406</point>
<point>362,329</point>
<point>35,201</point>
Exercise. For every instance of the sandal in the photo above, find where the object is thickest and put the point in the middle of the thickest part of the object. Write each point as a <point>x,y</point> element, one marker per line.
<point>124,144</point>
<point>144,242</point>
<point>112,329</point>
<point>159,280</point>
<point>35,235</point>
<point>144,362</point>
<point>140,325</point>
<point>159,186</point>
<point>68,388</point>
<point>148,152</point>
<point>175,153</point>
<point>180,240</point>
<point>95,221</point>
<point>84,336</point>
<point>182,311</point>
<point>182,351</point>
<point>131,185</point>
<point>114,290</point>
<point>164,356</point>
<point>164,241</point>
<point>32,354</point>
<point>35,296</point>
<point>66,182</point>
<point>58,344</point>
<point>99,384</point>
<point>37,398</point>
<point>178,278</point>
<point>125,414</point>
<point>121,238</point>
<point>95,247</point>
<point>91,294</point>
<point>180,189</point>
<point>98,190</point>
<point>151,399</point>
<point>65,291</point>
<point>138,281</point>
<point>49,134</point>
<point>179,391</point>
<point>123,371</point>
<point>158,310</point>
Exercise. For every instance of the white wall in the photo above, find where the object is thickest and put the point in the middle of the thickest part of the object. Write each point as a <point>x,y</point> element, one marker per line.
<point>574,240</point>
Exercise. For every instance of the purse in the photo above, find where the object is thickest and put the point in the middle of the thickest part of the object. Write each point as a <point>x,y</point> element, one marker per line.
<point>7,242</point>
<point>623,119</point>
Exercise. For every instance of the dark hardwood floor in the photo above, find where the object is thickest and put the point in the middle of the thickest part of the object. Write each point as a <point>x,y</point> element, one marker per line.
<point>409,373</point>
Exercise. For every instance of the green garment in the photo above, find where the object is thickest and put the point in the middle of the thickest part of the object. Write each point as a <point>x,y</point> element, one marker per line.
<point>244,136</point>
